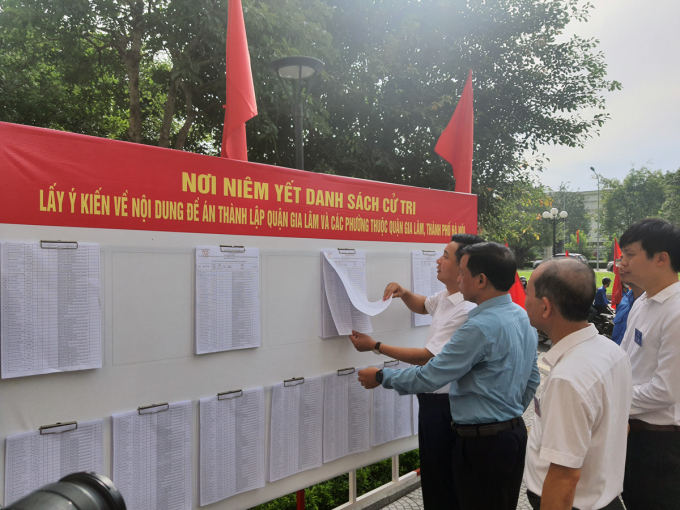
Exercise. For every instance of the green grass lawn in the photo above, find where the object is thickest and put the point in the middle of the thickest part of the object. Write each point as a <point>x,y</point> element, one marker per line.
<point>598,274</point>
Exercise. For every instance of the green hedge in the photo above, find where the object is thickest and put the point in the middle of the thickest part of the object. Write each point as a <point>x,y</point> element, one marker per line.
<point>335,492</point>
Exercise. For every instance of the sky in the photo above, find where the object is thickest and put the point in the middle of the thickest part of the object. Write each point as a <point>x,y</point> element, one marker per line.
<point>641,43</point>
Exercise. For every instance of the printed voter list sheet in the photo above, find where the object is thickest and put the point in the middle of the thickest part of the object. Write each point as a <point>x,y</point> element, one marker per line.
<point>424,280</point>
<point>391,412</point>
<point>49,304</point>
<point>345,415</point>
<point>295,442</point>
<point>152,457</point>
<point>227,298</point>
<point>34,459</point>
<point>231,458</point>
<point>343,277</point>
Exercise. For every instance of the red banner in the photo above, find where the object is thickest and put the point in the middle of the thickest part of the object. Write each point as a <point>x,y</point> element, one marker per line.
<point>63,179</point>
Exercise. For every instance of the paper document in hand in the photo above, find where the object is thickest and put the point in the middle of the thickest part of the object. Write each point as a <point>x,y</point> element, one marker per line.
<point>352,272</point>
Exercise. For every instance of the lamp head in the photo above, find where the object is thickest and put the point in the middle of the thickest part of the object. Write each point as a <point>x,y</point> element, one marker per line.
<point>553,211</point>
<point>296,68</point>
<point>564,214</point>
<point>593,169</point>
<point>546,214</point>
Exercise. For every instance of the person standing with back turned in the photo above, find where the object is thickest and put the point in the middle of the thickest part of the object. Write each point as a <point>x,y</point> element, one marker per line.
<point>490,362</point>
<point>650,258</point>
<point>449,311</point>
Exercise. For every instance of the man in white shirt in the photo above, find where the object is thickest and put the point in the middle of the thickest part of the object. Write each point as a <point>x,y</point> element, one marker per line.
<point>577,444</point>
<point>650,258</point>
<point>449,311</point>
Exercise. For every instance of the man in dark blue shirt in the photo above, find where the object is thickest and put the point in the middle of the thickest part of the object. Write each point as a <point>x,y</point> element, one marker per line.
<point>601,301</point>
<point>622,310</point>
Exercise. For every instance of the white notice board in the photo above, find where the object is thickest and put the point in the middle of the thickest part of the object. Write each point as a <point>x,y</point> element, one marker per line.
<point>148,330</point>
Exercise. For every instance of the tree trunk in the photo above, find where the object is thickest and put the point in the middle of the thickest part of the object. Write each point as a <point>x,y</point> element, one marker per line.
<point>168,113</point>
<point>190,117</point>
<point>132,57</point>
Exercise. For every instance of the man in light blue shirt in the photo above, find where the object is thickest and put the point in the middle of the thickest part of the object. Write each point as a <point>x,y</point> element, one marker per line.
<point>490,362</point>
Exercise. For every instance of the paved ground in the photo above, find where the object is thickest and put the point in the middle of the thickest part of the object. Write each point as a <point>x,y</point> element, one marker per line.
<point>414,500</point>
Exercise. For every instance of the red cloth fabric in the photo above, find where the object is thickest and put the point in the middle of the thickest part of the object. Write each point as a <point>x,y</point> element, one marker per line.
<point>577,241</point>
<point>617,288</point>
<point>517,292</point>
<point>241,104</point>
<point>455,142</point>
<point>566,253</point>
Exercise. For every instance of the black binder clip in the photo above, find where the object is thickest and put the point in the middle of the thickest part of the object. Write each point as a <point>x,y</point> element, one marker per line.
<point>153,408</point>
<point>58,428</point>
<point>295,381</point>
<point>226,395</point>
<point>346,371</point>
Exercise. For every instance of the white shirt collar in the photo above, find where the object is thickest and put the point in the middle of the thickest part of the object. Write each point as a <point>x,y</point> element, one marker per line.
<point>569,341</point>
<point>455,298</point>
<point>663,295</point>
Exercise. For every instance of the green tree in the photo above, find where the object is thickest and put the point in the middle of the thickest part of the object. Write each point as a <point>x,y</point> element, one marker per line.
<point>394,71</point>
<point>670,209</point>
<point>641,194</point>
<point>520,223</point>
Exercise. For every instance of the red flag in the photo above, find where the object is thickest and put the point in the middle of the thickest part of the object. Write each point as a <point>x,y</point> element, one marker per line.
<point>241,104</point>
<point>455,142</point>
<point>517,292</point>
<point>577,241</point>
<point>617,288</point>
<point>566,253</point>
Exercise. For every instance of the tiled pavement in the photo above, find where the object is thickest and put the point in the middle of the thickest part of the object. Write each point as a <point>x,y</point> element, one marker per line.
<point>414,500</point>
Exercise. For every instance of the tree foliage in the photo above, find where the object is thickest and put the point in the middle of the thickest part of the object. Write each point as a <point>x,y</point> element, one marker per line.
<point>670,210</point>
<point>640,195</point>
<point>574,203</point>
<point>152,71</point>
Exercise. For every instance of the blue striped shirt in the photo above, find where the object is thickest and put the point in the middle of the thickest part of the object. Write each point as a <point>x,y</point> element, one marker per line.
<point>490,361</point>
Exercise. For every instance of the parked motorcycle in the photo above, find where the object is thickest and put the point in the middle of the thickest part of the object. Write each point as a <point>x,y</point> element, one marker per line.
<point>603,321</point>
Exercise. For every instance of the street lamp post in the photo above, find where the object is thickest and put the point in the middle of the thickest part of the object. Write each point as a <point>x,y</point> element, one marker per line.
<point>299,69</point>
<point>554,215</point>
<point>597,251</point>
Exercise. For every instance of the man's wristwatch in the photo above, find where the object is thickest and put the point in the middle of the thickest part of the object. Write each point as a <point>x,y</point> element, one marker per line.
<point>376,347</point>
<point>379,376</point>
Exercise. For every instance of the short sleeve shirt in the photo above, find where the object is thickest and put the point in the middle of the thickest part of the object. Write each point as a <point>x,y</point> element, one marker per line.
<point>449,312</point>
<point>581,417</point>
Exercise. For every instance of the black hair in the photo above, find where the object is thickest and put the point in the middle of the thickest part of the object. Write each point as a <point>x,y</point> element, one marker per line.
<point>655,236</point>
<point>464,240</point>
<point>493,260</point>
<point>569,285</point>
<point>606,280</point>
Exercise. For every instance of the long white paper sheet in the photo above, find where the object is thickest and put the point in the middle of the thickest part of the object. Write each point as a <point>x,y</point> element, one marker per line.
<point>33,460</point>
<point>416,412</point>
<point>231,445</point>
<point>346,414</point>
<point>152,457</point>
<point>424,280</point>
<point>227,298</point>
<point>391,412</point>
<point>344,304</point>
<point>296,428</point>
<point>50,308</point>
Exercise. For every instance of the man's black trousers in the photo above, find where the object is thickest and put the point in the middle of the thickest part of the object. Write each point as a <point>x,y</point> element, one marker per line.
<point>487,471</point>
<point>652,479</point>
<point>467,473</point>
<point>435,440</point>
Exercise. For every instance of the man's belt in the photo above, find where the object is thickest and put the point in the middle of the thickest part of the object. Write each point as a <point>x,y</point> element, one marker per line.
<point>484,429</point>
<point>639,425</point>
